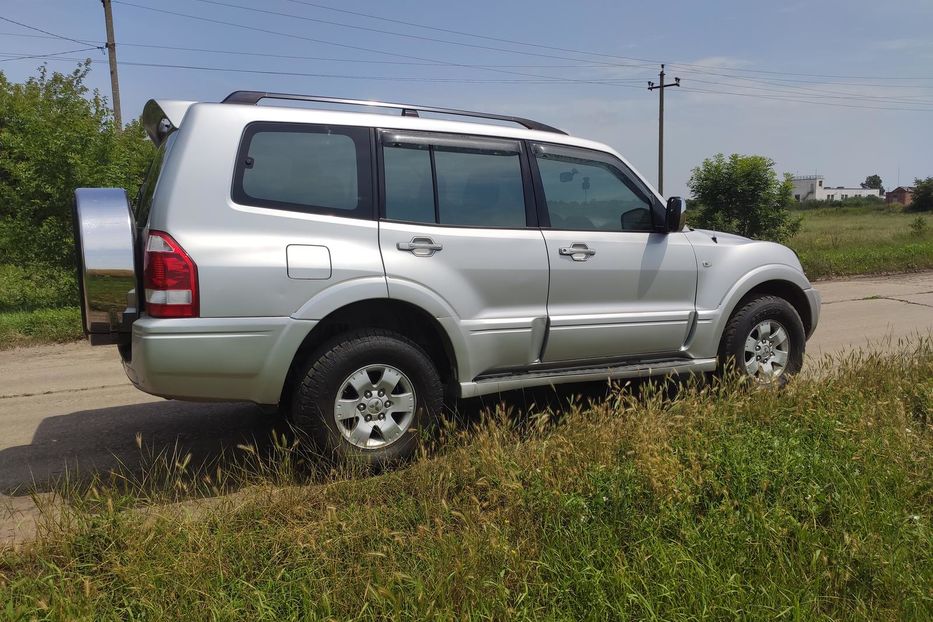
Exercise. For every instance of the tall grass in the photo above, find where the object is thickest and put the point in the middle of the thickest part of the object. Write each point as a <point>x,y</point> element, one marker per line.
<point>843,241</point>
<point>718,502</point>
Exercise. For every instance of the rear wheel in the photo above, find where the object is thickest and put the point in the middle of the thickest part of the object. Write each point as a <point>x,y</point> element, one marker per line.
<point>765,341</point>
<point>370,396</point>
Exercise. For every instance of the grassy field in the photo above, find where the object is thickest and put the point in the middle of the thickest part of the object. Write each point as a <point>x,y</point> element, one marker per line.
<point>810,504</point>
<point>843,241</point>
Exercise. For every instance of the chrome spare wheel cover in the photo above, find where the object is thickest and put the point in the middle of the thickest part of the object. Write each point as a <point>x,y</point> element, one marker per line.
<point>375,406</point>
<point>106,239</point>
<point>767,349</point>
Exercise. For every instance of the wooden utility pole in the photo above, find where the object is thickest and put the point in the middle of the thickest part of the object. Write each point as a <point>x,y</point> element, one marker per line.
<point>112,53</point>
<point>661,86</point>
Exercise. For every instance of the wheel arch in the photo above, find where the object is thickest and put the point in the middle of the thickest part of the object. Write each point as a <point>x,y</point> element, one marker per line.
<point>402,317</point>
<point>789,291</point>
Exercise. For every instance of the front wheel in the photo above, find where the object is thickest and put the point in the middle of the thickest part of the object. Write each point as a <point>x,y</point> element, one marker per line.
<point>369,397</point>
<point>765,341</point>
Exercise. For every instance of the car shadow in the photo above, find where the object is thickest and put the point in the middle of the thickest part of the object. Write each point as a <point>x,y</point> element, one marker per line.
<point>147,441</point>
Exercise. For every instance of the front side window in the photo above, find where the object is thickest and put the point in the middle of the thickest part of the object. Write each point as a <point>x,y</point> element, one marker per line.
<point>456,181</point>
<point>313,168</point>
<point>588,191</point>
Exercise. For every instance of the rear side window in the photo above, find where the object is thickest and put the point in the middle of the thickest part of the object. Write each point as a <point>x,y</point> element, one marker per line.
<point>312,168</point>
<point>453,180</point>
<point>143,203</point>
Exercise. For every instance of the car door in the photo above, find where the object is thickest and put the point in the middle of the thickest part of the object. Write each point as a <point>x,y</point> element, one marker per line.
<point>459,237</point>
<point>619,288</point>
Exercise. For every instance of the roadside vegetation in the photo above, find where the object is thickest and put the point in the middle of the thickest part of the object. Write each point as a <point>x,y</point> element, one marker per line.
<point>862,237</point>
<point>723,502</point>
<point>56,135</point>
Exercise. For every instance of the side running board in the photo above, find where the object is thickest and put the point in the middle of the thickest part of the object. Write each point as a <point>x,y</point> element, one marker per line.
<point>500,383</point>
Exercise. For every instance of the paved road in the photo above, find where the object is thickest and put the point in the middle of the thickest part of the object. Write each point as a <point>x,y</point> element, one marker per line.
<point>69,409</point>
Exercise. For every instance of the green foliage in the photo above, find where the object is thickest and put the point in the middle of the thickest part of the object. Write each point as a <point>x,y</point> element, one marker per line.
<point>743,195</point>
<point>27,288</point>
<point>27,328</point>
<point>812,503</point>
<point>57,136</point>
<point>874,181</point>
<point>919,226</point>
<point>923,196</point>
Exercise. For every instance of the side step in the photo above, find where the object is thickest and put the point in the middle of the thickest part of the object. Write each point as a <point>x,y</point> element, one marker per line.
<point>498,384</point>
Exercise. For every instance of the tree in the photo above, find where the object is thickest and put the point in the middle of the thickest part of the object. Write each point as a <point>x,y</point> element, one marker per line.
<point>56,136</point>
<point>743,195</point>
<point>923,196</point>
<point>874,181</point>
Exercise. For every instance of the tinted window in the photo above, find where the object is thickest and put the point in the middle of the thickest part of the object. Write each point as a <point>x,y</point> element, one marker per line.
<point>409,187</point>
<point>308,167</point>
<point>591,193</point>
<point>143,203</point>
<point>479,188</point>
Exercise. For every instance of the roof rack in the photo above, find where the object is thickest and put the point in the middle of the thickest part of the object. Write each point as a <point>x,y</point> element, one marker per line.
<point>408,110</point>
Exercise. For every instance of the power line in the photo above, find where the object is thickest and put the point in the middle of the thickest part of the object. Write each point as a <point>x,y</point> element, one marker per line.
<point>543,80</point>
<point>48,55</point>
<point>486,81</point>
<point>343,45</point>
<point>803,101</point>
<point>57,36</point>
<point>396,34</point>
<point>590,53</point>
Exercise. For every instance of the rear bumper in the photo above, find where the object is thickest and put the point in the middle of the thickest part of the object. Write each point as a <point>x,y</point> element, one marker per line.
<point>814,300</point>
<point>214,359</point>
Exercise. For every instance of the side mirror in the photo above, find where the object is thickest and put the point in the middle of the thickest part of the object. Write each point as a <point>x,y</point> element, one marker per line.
<point>675,214</point>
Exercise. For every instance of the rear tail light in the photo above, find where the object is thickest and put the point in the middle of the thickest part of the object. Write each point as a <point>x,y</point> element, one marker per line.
<point>170,278</point>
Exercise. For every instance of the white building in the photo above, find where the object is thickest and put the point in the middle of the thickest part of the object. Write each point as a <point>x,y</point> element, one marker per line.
<point>812,188</point>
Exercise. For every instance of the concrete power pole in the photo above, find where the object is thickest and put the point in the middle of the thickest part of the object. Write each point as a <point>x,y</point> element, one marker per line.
<point>661,86</point>
<point>112,53</point>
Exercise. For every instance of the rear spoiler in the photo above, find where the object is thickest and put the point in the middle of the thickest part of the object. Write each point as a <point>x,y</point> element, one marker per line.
<point>161,118</point>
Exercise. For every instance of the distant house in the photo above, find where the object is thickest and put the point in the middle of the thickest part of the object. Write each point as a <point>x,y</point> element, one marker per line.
<point>902,194</point>
<point>812,188</point>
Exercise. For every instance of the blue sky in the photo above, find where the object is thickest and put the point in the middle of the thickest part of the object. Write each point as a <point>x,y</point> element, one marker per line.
<point>741,63</point>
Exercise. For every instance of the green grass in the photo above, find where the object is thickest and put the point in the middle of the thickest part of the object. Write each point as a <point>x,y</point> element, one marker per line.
<point>810,504</point>
<point>27,328</point>
<point>844,241</point>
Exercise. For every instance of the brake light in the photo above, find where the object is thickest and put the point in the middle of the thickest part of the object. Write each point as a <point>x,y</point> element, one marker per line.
<point>170,278</point>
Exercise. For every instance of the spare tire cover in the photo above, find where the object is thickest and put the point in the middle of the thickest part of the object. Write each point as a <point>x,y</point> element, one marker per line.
<point>105,236</point>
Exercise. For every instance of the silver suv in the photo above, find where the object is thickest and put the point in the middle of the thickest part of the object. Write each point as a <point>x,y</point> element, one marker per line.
<point>359,269</point>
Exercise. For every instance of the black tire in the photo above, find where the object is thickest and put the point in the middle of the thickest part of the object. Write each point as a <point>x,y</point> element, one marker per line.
<point>750,314</point>
<point>313,403</point>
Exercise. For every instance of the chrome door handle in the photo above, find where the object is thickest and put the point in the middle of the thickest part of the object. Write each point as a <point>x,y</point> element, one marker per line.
<point>577,251</point>
<point>422,247</point>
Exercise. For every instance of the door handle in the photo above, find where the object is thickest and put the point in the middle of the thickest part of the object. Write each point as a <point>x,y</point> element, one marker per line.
<point>577,251</point>
<point>421,247</point>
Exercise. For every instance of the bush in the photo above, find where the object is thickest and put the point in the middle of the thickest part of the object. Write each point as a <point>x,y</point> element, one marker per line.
<point>40,287</point>
<point>743,195</point>
<point>918,226</point>
<point>923,196</point>
<point>56,136</point>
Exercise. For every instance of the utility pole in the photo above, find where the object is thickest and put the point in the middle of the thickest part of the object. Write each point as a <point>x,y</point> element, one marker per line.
<point>661,86</point>
<point>112,53</point>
